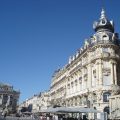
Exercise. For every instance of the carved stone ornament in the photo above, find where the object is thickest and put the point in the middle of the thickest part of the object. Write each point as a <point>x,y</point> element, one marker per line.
<point>99,95</point>
<point>106,71</point>
<point>115,89</point>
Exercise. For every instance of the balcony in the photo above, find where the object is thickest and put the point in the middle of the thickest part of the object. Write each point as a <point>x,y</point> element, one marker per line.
<point>103,42</point>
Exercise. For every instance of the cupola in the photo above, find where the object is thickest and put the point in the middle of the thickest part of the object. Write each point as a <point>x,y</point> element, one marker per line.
<point>103,23</point>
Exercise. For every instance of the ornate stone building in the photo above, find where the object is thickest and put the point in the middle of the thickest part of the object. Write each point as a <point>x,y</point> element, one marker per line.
<point>8,98</point>
<point>36,103</point>
<point>114,103</point>
<point>92,73</point>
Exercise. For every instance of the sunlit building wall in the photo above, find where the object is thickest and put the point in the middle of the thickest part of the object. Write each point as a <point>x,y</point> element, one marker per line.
<point>8,98</point>
<point>93,73</point>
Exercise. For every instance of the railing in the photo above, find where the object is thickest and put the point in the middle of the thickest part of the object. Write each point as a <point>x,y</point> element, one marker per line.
<point>104,42</point>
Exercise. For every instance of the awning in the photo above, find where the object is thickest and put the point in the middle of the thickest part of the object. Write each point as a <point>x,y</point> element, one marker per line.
<point>70,110</point>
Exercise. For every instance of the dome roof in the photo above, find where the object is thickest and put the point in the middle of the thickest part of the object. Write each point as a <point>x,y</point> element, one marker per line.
<point>103,23</point>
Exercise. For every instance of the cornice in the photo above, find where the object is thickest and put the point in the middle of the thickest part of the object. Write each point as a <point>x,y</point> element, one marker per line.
<point>101,45</point>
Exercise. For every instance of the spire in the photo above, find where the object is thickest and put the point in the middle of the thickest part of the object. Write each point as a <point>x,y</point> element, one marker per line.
<point>103,14</point>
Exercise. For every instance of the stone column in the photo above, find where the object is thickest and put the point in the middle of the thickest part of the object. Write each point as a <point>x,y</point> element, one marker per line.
<point>1,99</point>
<point>83,82</point>
<point>110,105</point>
<point>97,74</point>
<point>66,88</point>
<point>67,102</point>
<point>71,101</point>
<point>115,74</point>
<point>66,83</point>
<point>100,73</point>
<point>70,89</point>
<point>112,74</point>
<point>78,101</point>
<point>77,82</point>
<point>8,101</point>
<point>89,81</point>
<point>74,101</point>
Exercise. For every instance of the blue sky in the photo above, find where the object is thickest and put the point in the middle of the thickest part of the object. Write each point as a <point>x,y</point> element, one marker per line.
<point>38,36</point>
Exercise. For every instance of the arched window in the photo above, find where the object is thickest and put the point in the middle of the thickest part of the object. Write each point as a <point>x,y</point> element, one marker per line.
<point>106,96</point>
<point>106,109</point>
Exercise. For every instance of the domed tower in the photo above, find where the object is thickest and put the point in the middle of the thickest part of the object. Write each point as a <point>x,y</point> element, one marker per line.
<point>103,24</point>
<point>105,30</point>
<point>104,58</point>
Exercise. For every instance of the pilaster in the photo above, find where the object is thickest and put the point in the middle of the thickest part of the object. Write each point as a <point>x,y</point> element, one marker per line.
<point>97,73</point>
<point>115,73</point>
<point>100,73</point>
<point>112,74</point>
<point>89,82</point>
<point>83,82</point>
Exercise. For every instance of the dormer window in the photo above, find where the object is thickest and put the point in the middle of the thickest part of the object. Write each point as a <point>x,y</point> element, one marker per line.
<point>103,22</point>
<point>105,37</point>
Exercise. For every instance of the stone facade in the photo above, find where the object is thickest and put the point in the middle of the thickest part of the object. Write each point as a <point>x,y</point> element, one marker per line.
<point>8,98</point>
<point>114,107</point>
<point>92,73</point>
<point>37,102</point>
<point>44,100</point>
